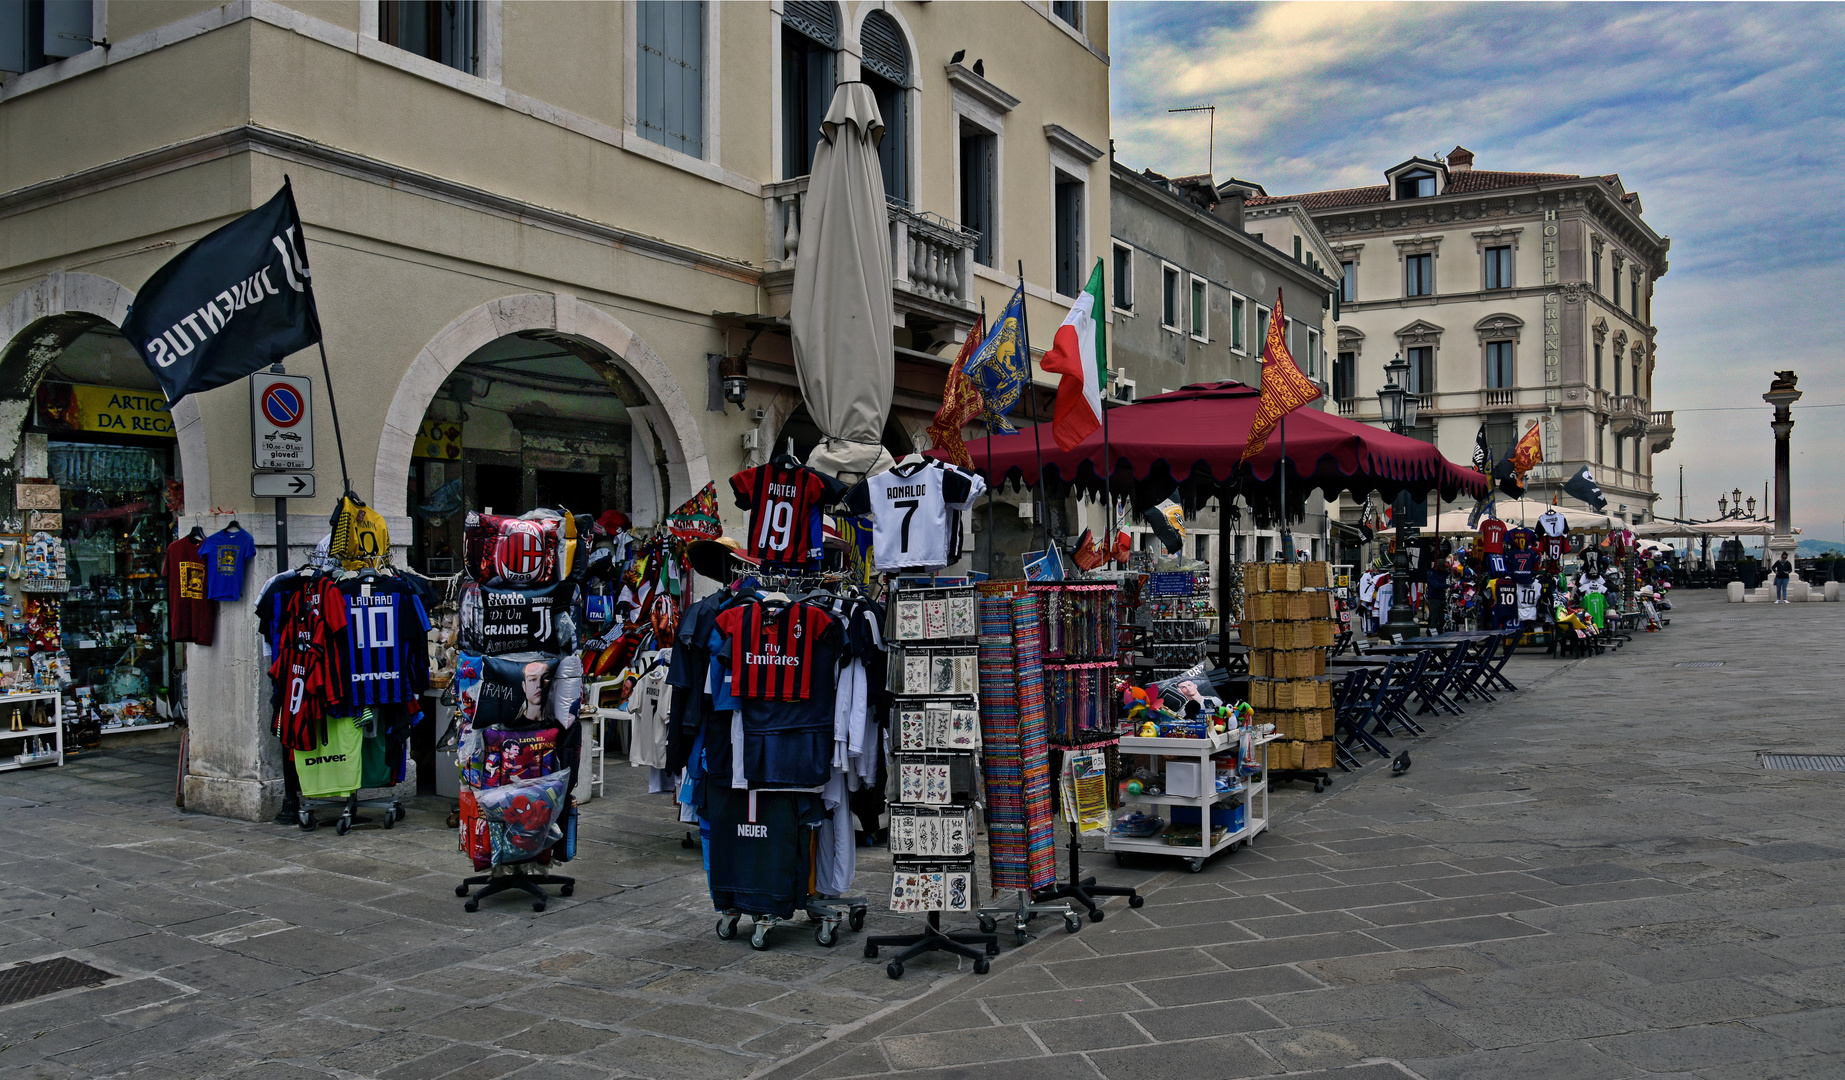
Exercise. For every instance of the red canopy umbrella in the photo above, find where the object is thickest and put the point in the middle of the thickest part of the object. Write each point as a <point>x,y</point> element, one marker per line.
<point>1190,441</point>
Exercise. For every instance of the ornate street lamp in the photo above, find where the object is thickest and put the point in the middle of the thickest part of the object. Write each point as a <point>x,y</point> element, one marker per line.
<point>1723,506</point>
<point>1399,412</point>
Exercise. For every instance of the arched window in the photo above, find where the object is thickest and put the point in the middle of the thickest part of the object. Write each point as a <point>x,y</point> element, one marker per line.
<point>810,38</point>
<point>885,62</point>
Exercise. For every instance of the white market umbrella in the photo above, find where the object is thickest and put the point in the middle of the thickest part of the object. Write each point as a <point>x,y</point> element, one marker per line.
<point>1519,512</point>
<point>841,311</point>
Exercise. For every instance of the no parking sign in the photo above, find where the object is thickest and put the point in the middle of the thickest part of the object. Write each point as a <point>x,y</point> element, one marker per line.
<point>281,422</point>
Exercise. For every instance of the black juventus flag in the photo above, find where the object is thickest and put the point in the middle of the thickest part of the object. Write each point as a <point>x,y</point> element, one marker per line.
<point>1583,486</point>
<point>229,305</point>
<point>1482,454</point>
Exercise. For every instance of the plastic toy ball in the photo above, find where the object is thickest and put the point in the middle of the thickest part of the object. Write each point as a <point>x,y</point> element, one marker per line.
<point>1135,787</point>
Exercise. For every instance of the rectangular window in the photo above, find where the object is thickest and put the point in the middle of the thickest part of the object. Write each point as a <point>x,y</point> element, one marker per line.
<point>34,33</point>
<point>1636,376</point>
<point>443,32</point>
<point>1598,365</point>
<point>1169,299</point>
<point>1421,369</point>
<point>1312,350</point>
<point>1069,12</point>
<point>1601,444</point>
<point>1069,235</point>
<point>1124,278</point>
<point>1238,331</point>
<point>979,173</point>
<point>894,148</point>
<point>1261,331</point>
<point>1499,267</point>
<point>1617,376</point>
<point>669,80</point>
<point>1348,282</point>
<point>1633,283</point>
<point>1596,258</point>
<point>1501,430</point>
<point>807,91</point>
<point>1499,373</point>
<point>1418,275</point>
<point>1619,454</point>
<point>1615,293</point>
<point>1345,377</point>
<point>1200,327</point>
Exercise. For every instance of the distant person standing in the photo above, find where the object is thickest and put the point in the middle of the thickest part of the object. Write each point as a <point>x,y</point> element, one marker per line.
<point>1782,569</point>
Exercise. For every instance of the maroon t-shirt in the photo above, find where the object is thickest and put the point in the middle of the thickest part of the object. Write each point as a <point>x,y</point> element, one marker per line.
<point>190,616</point>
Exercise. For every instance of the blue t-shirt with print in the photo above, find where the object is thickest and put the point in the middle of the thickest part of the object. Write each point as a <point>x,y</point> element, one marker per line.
<point>225,553</point>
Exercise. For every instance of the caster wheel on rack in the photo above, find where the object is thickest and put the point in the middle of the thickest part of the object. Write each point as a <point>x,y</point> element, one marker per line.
<point>759,940</point>
<point>1072,923</point>
<point>1120,858</point>
<point>856,920</point>
<point>871,952</point>
<point>461,890</point>
<point>566,890</point>
<point>1196,865</point>
<point>1137,901</point>
<point>894,970</point>
<point>342,826</point>
<point>986,924</point>
<point>390,819</point>
<point>726,929</point>
<point>826,935</point>
<point>1096,914</point>
<point>538,905</point>
<point>1019,935</point>
<point>993,948</point>
<point>472,905</point>
<point>397,811</point>
<point>981,966</point>
<point>308,824</point>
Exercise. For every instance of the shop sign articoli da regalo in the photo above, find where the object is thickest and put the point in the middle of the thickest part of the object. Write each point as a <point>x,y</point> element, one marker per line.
<point>104,410</point>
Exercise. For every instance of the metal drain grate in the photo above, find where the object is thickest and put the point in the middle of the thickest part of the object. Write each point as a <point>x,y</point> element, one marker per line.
<point>36,979</point>
<point>1700,664</point>
<point>1805,762</point>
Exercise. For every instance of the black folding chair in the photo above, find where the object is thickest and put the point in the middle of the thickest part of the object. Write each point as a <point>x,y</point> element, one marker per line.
<point>1434,691</point>
<point>1360,696</point>
<point>1341,641</point>
<point>1401,678</point>
<point>1495,675</point>
<point>1472,681</point>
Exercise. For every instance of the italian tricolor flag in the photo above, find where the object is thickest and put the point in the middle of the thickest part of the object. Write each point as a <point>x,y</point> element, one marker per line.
<point>1079,353</point>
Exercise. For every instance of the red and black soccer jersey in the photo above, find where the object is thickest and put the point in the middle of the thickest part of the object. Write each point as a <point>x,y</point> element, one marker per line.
<point>784,502</point>
<point>387,643</point>
<point>780,652</point>
<point>310,662</point>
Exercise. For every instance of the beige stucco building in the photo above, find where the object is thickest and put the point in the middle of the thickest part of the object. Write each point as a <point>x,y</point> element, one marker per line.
<point>1516,298</point>
<point>537,227</point>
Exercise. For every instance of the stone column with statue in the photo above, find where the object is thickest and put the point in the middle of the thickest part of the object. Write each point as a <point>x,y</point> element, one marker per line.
<point>1782,394</point>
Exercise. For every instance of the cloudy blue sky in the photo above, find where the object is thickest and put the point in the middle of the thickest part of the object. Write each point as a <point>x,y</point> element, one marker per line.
<point>1729,120</point>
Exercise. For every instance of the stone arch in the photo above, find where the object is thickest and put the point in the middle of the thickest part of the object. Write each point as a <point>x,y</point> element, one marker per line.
<point>48,315</point>
<point>666,412</point>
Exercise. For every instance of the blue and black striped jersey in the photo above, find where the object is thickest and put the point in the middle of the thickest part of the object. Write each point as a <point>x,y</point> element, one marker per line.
<point>387,643</point>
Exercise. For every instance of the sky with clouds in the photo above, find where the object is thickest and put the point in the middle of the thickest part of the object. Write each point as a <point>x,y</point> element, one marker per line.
<point>1729,120</point>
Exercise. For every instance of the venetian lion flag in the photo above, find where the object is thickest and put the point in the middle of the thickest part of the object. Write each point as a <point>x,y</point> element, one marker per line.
<point>1528,452</point>
<point>961,402</point>
<point>1284,387</point>
<point>1079,353</point>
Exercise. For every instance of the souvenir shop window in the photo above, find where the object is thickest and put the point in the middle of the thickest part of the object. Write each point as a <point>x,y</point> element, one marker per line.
<point>115,520</point>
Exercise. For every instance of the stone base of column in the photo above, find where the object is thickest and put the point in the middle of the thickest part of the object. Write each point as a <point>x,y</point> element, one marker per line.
<point>246,800</point>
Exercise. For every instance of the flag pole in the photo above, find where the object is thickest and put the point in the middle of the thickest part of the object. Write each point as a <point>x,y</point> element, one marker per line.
<point>1031,387</point>
<point>1287,534</point>
<point>320,337</point>
<point>992,481</point>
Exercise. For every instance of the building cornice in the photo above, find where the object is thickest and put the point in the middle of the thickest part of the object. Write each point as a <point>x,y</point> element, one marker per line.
<point>1127,181</point>
<point>1071,143</point>
<point>250,138</point>
<point>978,88</point>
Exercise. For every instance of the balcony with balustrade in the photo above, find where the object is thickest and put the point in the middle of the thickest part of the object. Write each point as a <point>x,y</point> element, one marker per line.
<point>1629,415</point>
<point>1659,431</point>
<point>931,262</point>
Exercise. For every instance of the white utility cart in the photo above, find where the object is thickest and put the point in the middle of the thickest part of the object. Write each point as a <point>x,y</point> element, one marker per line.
<point>1196,759</point>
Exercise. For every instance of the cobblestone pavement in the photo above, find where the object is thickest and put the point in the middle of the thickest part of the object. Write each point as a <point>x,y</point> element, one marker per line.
<point>1593,879</point>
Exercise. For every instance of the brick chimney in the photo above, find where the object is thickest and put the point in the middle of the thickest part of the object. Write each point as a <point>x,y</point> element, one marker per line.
<point>1460,159</point>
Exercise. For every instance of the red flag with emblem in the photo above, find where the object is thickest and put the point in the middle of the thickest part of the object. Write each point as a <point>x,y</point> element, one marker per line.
<point>961,402</point>
<point>1284,386</point>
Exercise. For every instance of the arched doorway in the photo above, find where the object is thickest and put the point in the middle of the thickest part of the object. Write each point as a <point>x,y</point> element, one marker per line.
<point>84,422</point>
<point>534,400</point>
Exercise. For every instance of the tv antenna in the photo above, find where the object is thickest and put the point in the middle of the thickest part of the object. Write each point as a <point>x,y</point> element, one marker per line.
<point>1211,143</point>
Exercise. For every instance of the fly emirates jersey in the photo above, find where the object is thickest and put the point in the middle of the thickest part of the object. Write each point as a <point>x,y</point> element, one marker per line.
<point>386,643</point>
<point>309,663</point>
<point>910,508</point>
<point>784,502</point>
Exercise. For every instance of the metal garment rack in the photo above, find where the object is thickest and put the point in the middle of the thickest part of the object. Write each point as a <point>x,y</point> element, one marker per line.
<point>825,912</point>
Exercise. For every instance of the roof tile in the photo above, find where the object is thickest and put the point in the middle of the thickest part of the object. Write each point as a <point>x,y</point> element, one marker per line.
<point>1459,183</point>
